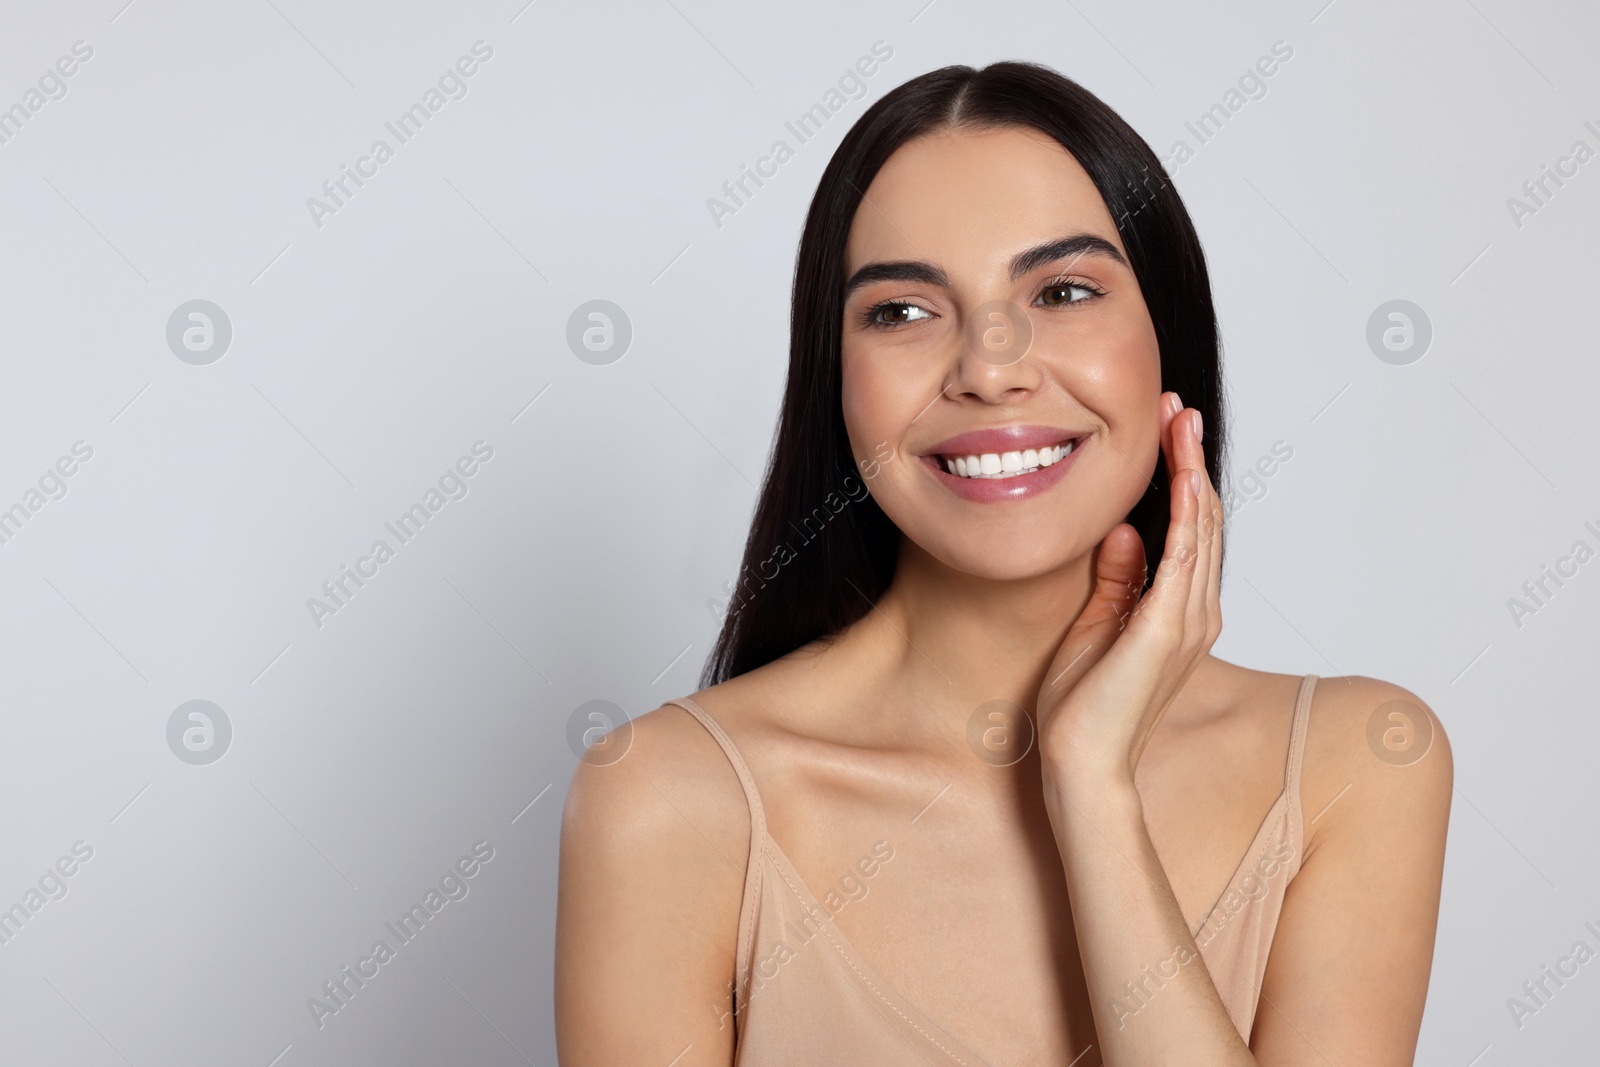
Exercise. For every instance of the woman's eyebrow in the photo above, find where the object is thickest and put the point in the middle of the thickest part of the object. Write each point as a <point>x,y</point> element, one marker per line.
<point>907,270</point>
<point>1074,246</point>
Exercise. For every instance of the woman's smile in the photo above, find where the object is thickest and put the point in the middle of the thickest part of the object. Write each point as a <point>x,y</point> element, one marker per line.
<point>1004,463</point>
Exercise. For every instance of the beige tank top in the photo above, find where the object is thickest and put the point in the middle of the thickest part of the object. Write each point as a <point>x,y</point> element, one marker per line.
<point>802,994</point>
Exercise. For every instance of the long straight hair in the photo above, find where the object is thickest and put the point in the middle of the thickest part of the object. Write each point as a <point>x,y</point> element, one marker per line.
<point>820,550</point>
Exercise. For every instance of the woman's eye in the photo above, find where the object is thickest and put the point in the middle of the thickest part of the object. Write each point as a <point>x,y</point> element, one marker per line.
<point>895,314</point>
<point>1088,293</point>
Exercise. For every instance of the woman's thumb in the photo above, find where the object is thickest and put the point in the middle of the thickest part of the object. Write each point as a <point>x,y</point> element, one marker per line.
<point>1119,572</point>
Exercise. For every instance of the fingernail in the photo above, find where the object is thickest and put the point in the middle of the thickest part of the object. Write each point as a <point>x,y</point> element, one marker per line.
<point>1176,403</point>
<point>1199,430</point>
<point>1194,483</point>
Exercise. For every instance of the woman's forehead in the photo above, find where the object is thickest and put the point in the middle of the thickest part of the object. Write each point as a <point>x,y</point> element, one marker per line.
<point>975,193</point>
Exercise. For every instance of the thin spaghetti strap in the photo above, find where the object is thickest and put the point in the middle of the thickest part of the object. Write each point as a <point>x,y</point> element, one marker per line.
<point>752,874</point>
<point>758,817</point>
<point>1296,762</point>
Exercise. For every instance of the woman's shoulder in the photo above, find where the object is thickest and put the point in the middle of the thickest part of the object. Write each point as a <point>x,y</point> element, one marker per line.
<point>1365,725</point>
<point>1364,737</point>
<point>654,851</point>
<point>1353,719</point>
<point>659,777</point>
<point>1376,755</point>
<point>662,776</point>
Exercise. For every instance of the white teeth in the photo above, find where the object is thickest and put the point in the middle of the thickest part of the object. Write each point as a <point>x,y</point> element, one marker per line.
<point>1005,464</point>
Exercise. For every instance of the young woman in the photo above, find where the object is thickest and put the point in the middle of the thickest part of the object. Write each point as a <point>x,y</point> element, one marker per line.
<point>966,785</point>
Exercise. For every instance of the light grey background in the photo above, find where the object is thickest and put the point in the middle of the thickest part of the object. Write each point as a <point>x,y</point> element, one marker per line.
<point>431,311</point>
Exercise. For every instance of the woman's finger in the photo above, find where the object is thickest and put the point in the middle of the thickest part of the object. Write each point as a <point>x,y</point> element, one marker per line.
<point>1188,450</point>
<point>1170,591</point>
<point>1213,616</point>
<point>1200,597</point>
<point>1214,591</point>
<point>1171,413</point>
<point>1119,575</point>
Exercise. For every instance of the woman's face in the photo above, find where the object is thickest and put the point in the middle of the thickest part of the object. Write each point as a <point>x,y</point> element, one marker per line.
<point>964,335</point>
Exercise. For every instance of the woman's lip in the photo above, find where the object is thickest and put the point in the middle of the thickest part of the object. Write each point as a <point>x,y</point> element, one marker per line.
<point>1002,439</point>
<point>998,490</point>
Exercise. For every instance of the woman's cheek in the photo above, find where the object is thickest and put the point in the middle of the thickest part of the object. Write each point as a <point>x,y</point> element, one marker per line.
<point>856,408</point>
<point>871,406</point>
<point>1122,380</point>
<point>872,428</point>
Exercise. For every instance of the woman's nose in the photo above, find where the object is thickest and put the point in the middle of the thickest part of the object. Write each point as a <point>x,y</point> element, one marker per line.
<point>996,338</point>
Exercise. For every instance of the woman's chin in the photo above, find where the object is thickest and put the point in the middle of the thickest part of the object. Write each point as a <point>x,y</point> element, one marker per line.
<point>1004,560</point>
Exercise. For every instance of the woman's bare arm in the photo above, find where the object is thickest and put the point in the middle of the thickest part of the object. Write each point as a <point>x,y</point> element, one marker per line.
<point>1122,663</point>
<point>653,853</point>
<point>1348,974</point>
<point>1349,964</point>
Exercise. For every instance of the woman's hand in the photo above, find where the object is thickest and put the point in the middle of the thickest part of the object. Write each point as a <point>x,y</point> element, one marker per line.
<point>1126,657</point>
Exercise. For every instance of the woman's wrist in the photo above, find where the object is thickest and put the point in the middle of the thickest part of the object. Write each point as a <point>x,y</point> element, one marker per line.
<point>1102,794</point>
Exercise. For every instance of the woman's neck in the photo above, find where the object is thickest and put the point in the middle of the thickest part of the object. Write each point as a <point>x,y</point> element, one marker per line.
<point>947,639</point>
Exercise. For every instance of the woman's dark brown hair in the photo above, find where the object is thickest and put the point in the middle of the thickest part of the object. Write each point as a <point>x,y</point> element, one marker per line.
<point>820,550</point>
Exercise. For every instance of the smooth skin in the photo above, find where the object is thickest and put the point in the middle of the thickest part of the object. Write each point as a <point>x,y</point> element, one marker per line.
<point>1019,898</point>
